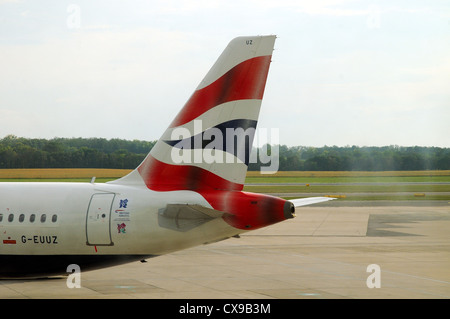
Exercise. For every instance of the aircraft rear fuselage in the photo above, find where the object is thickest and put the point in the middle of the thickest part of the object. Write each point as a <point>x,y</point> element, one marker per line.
<point>44,227</point>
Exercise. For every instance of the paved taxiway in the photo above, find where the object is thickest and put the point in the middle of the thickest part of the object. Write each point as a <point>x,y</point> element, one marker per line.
<point>322,253</point>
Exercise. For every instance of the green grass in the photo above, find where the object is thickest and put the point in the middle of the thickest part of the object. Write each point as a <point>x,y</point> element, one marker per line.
<point>390,197</point>
<point>347,188</point>
<point>363,179</point>
<point>355,186</point>
<point>56,180</point>
<point>352,185</point>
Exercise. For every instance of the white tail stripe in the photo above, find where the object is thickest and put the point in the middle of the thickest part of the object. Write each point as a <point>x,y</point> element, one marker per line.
<point>242,109</point>
<point>163,153</point>
<point>237,52</point>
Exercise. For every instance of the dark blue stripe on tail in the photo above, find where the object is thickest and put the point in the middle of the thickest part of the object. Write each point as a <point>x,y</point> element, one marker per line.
<point>234,137</point>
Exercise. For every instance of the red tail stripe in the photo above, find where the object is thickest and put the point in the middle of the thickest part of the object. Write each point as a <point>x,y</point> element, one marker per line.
<point>247,80</point>
<point>159,176</point>
<point>247,210</point>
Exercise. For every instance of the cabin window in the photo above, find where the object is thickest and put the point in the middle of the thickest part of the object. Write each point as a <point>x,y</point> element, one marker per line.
<point>32,218</point>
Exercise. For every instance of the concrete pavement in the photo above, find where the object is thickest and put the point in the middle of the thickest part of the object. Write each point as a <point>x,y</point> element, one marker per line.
<point>322,253</point>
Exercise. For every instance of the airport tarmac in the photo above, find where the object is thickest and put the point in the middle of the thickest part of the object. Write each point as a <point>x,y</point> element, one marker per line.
<point>325,252</point>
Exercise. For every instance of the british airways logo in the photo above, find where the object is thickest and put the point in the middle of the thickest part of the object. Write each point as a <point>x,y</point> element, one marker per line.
<point>9,241</point>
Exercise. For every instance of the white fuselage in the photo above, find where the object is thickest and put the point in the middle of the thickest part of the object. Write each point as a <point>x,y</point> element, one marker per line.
<point>83,219</point>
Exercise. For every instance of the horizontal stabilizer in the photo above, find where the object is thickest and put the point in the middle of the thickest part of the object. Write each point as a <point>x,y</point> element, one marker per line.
<point>184,217</point>
<point>309,200</point>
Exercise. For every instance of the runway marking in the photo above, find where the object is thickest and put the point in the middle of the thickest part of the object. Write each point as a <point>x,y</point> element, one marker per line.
<point>126,287</point>
<point>307,294</point>
<point>417,277</point>
<point>323,221</point>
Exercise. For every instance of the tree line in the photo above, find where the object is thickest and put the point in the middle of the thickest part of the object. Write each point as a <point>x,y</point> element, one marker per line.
<point>19,152</point>
<point>355,158</point>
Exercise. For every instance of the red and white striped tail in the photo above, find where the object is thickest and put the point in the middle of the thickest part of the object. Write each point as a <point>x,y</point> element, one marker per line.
<point>208,144</point>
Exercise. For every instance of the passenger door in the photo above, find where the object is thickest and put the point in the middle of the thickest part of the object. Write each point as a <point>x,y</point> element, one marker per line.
<point>98,229</point>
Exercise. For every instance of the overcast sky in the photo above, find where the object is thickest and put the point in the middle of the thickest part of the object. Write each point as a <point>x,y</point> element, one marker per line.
<point>366,73</point>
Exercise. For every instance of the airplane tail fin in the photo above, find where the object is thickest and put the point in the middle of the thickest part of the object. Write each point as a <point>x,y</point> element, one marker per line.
<point>208,144</point>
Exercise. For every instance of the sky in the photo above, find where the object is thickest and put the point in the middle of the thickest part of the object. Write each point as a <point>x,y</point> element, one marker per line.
<point>343,72</point>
